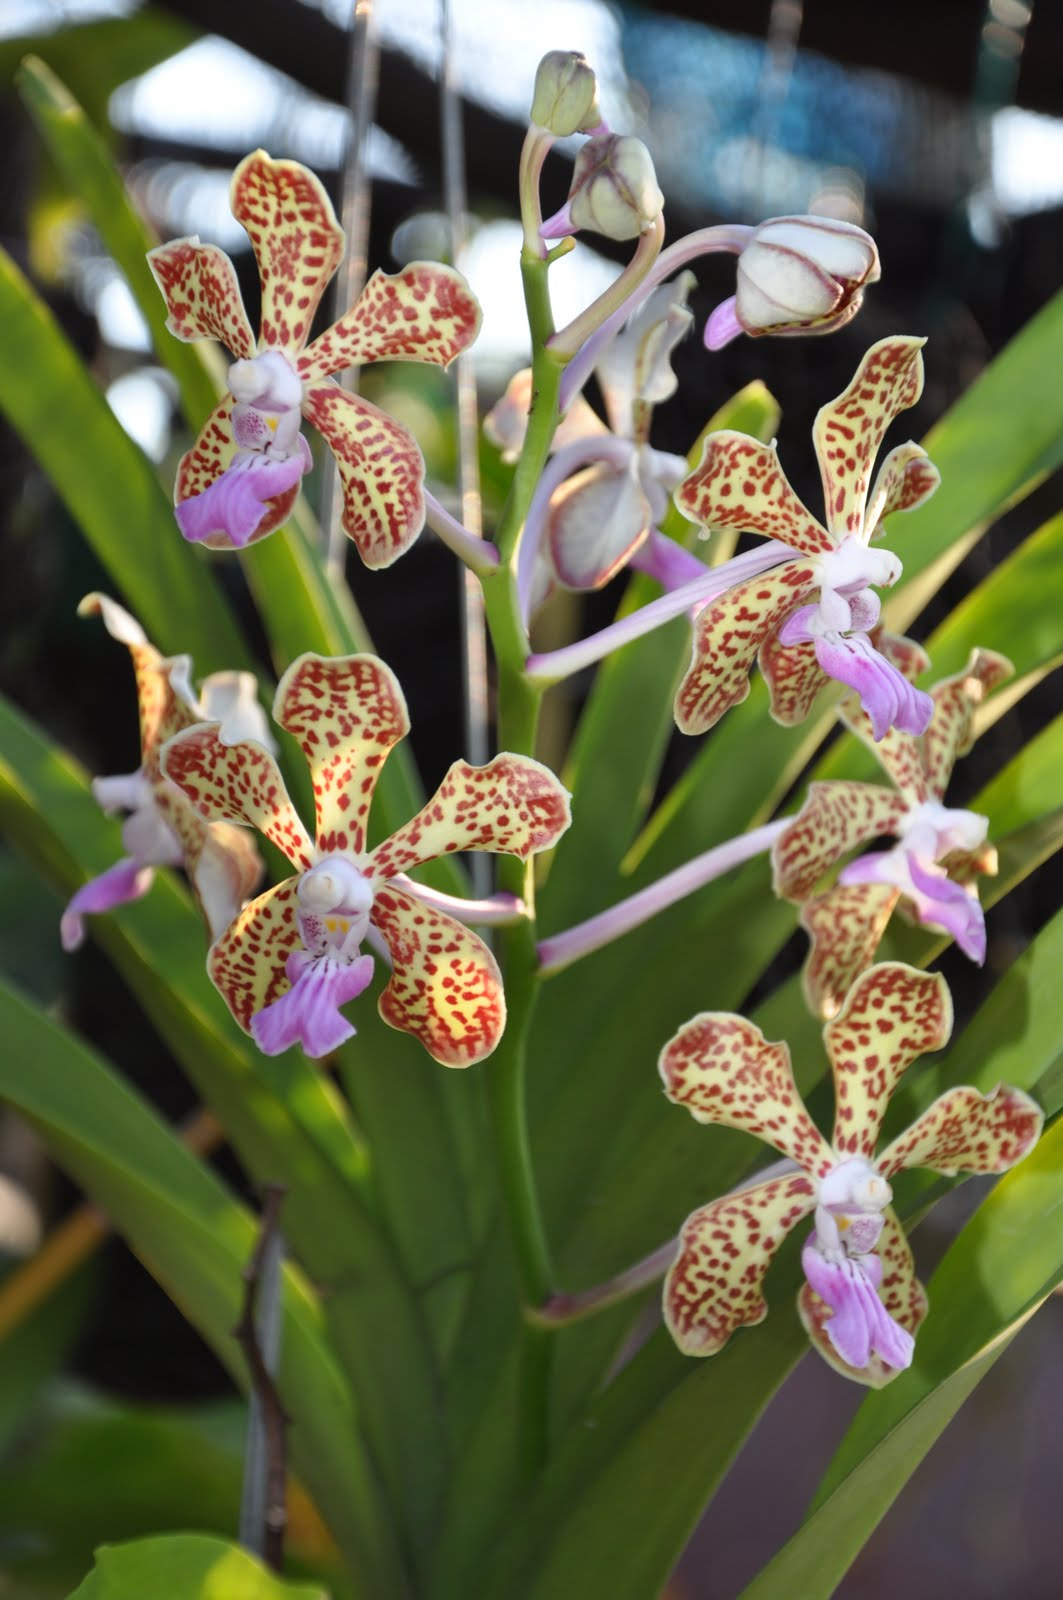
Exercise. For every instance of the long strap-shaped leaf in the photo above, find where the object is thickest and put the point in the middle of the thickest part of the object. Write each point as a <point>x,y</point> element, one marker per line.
<point>195,1239</point>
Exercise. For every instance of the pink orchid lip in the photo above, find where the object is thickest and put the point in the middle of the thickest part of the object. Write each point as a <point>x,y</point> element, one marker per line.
<point>309,1013</point>
<point>860,1326</point>
<point>236,502</point>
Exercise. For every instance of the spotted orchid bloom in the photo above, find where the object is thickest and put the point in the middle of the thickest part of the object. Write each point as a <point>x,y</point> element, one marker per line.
<point>861,1302</point>
<point>929,873</point>
<point>241,477</point>
<point>602,515</point>
<point>811,616</point>
<point>162,828</point>
<point>293,957</point>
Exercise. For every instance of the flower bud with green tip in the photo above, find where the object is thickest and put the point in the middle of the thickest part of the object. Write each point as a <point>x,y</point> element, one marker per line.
<point>565,100</point>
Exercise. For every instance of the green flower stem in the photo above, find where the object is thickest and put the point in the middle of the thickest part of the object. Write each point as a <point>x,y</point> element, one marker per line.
<point>518,716</point>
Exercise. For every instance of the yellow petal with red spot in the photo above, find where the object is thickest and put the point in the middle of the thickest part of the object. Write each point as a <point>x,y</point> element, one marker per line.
<point>426,312</point>
<point>381,470</point>
<point>202,294</point>
<point>297,241</point>
<point>845,926</point>
<point>237,783</point>
<point>836,817</point>
<point>740,484</point>
<point>966,1131</point>
<point>247,964</point>
<point>849,430</point>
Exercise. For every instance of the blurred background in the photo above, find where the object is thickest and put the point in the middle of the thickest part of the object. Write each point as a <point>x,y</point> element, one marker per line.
<point>937,127</point>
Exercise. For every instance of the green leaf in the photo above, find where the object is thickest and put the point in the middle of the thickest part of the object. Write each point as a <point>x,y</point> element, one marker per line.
<point>107,484</point>
<point>185,1566</point>
<point>283,1115</point>
<point>195,1239</point>
<point>95,57</point>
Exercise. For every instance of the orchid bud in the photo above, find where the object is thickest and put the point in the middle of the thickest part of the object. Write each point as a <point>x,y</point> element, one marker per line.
<point>566,94</point>
<point>796,275</point>
<point>614,191</point>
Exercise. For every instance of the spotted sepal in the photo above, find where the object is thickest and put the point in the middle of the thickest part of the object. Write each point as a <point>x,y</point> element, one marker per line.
<point>237,783</point>
<point>837,817</point>
<point>794,677</point>
<point>740,484</point>
<point>722,1069</point>
<point>297,241</point>
<point>900,755</point>
<point>164,703</point>
<point>891,1016</point>
<point>965,1131</point>
<point>900,1292</point>
<point>845,926</point>
<point>905,479</point>
<point>956,699</point>
<point>426,312</point>
<point>202,294</point>
<point>848,431</point>
<point>247,963</point>
<point>381,470</point>
<point>714,1285</point>
<point>208,458</point>
<point>727,635</point>
<point>347,713</point>
<point>513,806</point>
<point>445,985</point>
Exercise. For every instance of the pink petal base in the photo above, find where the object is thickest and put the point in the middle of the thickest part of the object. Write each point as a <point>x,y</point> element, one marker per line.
<point>235,504</point>
<point>127,880</point>
<point>309,1013</point>
<point>860,1325</point>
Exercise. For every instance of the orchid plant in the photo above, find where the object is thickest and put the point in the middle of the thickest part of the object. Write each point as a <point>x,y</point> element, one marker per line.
<point>445,1232</point>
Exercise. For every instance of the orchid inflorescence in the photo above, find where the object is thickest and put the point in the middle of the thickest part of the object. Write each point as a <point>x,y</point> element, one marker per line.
<point>291,960</point>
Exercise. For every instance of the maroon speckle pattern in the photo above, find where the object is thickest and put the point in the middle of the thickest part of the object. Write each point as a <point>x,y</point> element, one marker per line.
<point>445,988</point>
<point>347,713</point>
<point>727,636</point>
<point>238,783</point>
<point>849,430</point>
<point>199,285</point>
<point>956,699</point>
<point>247,963</point>
<point>740,484</point>
<point>965,1131</point>
<point>380,467</point>
<point>513,805</point>
<point>714,1286</point>
<point>905,479</point>
<point>836,818</point>
<point>426,312</point>
<point>794,678</point>
<point>297,241</point>
<point>891,1015</point>
<point>723,1070</point>
<point>845,926</point>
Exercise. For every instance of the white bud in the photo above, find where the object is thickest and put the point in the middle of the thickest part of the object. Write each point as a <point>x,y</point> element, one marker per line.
<point>614,188</point>
<point>565,99</point>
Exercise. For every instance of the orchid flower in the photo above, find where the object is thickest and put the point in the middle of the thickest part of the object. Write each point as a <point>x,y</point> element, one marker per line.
<point>928,872</point>
<point>240,479</point>
<point>811,616</point>
<point>293,957</point>
<point>601,498</point>
<point>161,828</point>
<point>861,1302</point>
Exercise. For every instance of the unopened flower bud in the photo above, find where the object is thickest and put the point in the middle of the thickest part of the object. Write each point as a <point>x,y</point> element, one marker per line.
<point>797,275</point>
<point>566,94</point>
<point>614,191</point>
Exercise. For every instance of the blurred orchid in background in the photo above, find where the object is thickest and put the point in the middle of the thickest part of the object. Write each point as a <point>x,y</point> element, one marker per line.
<point>162,828</point>
<point>240,479</point>
<point>861,1302</point>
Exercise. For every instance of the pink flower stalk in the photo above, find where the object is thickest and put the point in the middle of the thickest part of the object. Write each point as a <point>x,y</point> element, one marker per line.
<point>796,275</point>
<point>861,1302</point>
<point>240,479</point>
<point>596,508</point>
<point>928,874</point>
<point>293,957</point>
<point>161,827</point>
<point>811,617</point>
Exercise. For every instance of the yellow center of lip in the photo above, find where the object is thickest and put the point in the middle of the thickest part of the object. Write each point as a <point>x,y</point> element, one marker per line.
<point>338,924</point>
<point>271,424</point>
